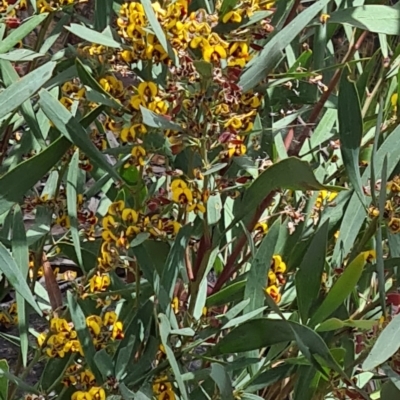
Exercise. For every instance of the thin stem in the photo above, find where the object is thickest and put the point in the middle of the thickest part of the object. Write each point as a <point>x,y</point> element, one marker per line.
<point>325,95</point>
<point>231,266</point>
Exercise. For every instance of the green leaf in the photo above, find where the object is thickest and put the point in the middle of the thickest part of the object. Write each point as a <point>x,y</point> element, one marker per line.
<point>389,391</point>
<point>340,290</point>
<point>260,66</point>
<point>68,125</point>
<point>214,208</point>
<point>350,131</point>
<point>85,339</point>
<point>19,180</point>
<point>20,253</point>
<point>260,264</point>
<point>54,371</point>
<point>10,76</point>
<point>165,329</point>
<point>124,357</point>
<point>355,212</point>
<point>260,333</point>
<point>290,173</point>
<point>158,31</point>
<point>309,275</point>
<point>175,262</point>
<point>373,18</point>
<point>20,55</point>
<point>104,363</point>
<point>72,182</point>
<point>14,275</point>
<point>227,6</point>
<point>102,13</point>
<point>89,35</point>
<point>154,120</point>
<point>385,346</point>
<point>221,378</point>
<point>21,32</point>
<point>20,91</point>
<point>4,380</point>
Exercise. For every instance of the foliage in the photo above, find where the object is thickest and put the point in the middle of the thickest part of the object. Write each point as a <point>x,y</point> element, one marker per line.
<point>200,199</point>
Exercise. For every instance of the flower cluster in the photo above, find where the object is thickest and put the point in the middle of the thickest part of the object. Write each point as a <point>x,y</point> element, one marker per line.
<point>275,278</point>
<point>104,330</point>
<point>60,340</point>
<point>122,224</point>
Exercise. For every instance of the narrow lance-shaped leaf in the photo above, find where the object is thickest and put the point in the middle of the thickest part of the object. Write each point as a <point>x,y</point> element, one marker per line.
<point>165,329</point>
<point>20,91</point>
<point>309,275</point>
<point>19,180</point>
<point>21,32</point>
<point>92,36</point>
<point>15,277</point>
<point>340,290</point>
<point>373,18</point>
<point>68,125</point>
<point>350,131</point>
<point>85,339</point>
<point>10,76</point>
<point>290,173</point>
<point>260,66</point>
<point>20,253</point>
<point>72,181</point>
<point>386,345</point>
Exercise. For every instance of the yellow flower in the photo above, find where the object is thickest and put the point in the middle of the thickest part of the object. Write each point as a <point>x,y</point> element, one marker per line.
<point>147,90</point>
<point>232,16</point>
<point>110,317</point>
<point>180,192</point>
<point>60,325</point>
<point>175,304</point>
<point>138,153</point>
<point>130,216</point>
<point>261,227</point>
<point>213,53</point>
<point>394,101</point>
<point>109,222</point>
<point>278,266</point>
<point>163,389</point>
<point>79,395</point>
<point>394,225</point>
<point>239,54</point>
<point>117,332</point>
<point>94,323</point>
<point>197,207</point>
<point>108,236</point>
<point>271,278</point>
<point>129,134</point>
<point>324,18</point>
<point>369,255</point>
<point>97,393</point>
<point>41,338</point>
<point>99,283</point>
<point>74,346</point>
<point>87,377</point>
<point>273,291</point>
<point>116,207</point>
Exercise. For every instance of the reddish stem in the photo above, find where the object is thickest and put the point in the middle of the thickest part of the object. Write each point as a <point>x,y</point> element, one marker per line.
<point>231,267</point>
<point>325,95</point>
